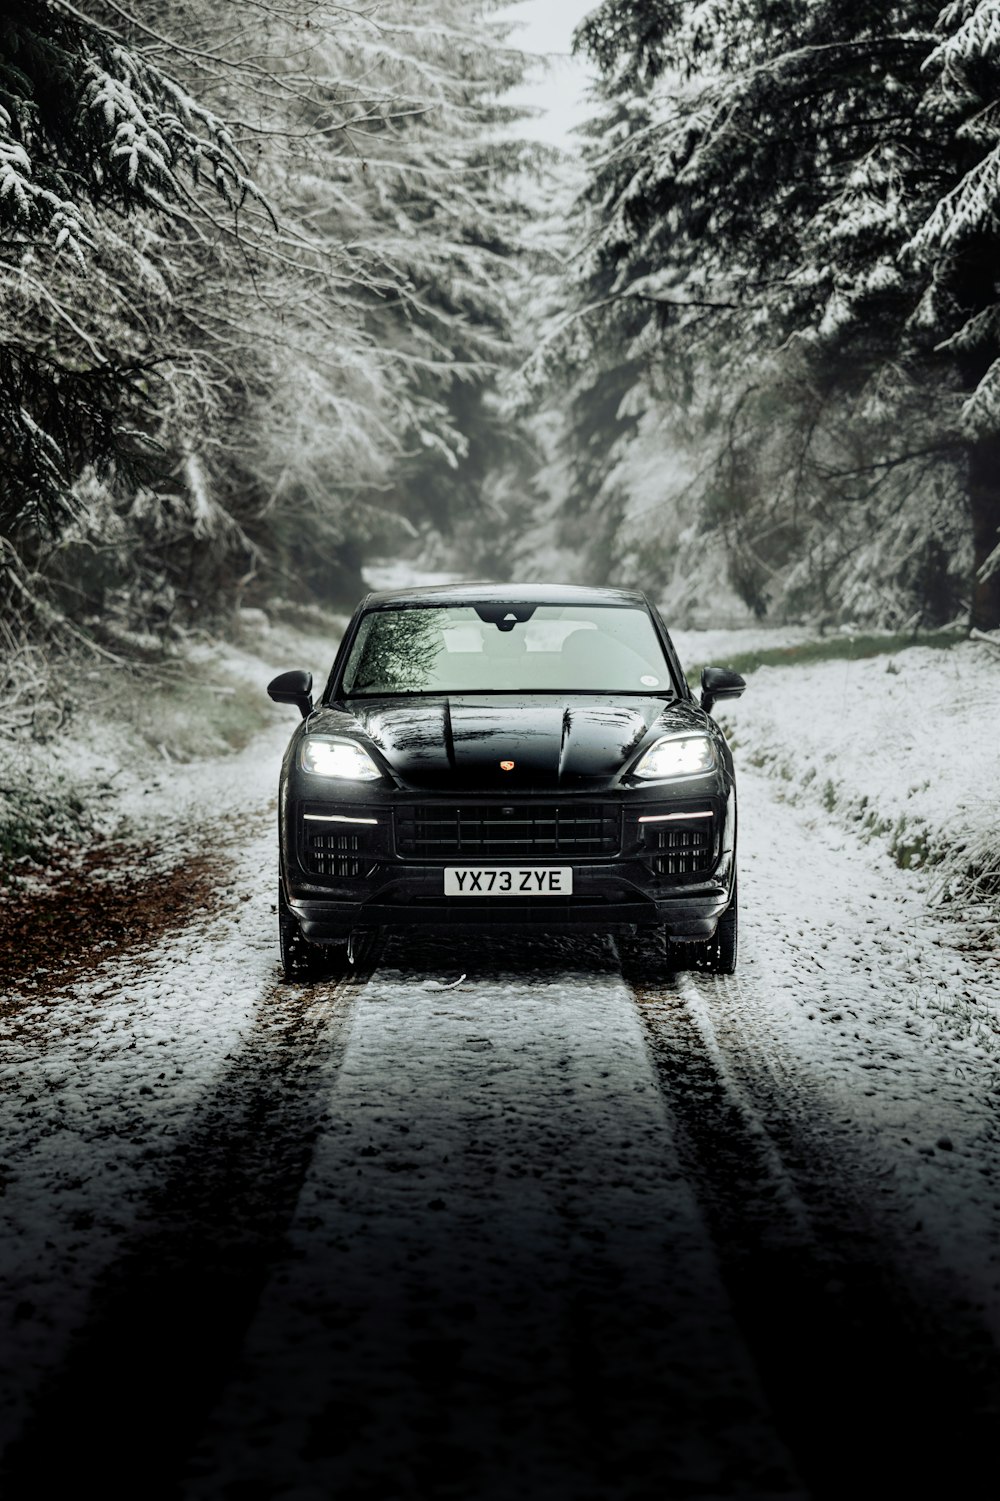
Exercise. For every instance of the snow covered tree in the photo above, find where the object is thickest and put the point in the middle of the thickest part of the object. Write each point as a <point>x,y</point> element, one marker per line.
<point>429,181</point>
<point>402,187</point>
<point>247,382</point>
<point>89,130</point>
<point>809,219</point>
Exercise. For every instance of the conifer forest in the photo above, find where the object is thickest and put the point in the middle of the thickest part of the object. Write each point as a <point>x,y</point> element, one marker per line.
<point>285,288</point>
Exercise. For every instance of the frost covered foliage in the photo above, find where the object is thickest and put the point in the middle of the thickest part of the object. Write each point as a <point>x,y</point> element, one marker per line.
<point>792,219</point>
<point>234,354</point>
<point>91,133</point>
<point>426,181</point>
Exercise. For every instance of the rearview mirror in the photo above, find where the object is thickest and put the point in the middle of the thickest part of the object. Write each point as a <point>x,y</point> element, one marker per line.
<point>719,682</point>
<point>293,688</point>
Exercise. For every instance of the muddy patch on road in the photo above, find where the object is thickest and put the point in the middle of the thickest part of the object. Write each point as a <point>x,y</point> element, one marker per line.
<point>115,899</point>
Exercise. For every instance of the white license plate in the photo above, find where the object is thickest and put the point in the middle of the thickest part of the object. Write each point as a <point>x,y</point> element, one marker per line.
<point>508,880</point>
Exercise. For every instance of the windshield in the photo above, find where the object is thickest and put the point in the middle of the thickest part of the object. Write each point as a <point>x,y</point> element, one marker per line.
<point>526,649</point>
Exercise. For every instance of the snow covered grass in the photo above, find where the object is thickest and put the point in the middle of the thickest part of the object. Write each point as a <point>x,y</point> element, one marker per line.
<point>799,648</point>
<point>29,819</point>
<point>893,738</point>
<point>82,760</point>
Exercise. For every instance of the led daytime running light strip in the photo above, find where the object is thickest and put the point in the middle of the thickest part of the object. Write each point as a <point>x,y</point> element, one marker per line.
<point>335,818</point>
<point>671,817</point>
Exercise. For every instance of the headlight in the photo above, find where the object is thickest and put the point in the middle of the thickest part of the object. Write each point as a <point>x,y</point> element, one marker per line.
<point>678,756</point>
<point>338,758</point>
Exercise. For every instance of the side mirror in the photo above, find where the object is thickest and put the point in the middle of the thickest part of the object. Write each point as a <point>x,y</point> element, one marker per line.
<point>719,682</point>
<point>293,688</point>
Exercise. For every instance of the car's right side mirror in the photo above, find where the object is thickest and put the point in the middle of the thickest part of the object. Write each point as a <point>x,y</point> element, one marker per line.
<point>719,682</point>
<point>293,688</point>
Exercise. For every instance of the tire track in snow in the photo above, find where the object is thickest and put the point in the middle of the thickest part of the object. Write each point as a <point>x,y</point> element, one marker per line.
<point>168,1317</point>
<point>499,1284</point>
<point>98,1082</point>
<point>861,1380</point>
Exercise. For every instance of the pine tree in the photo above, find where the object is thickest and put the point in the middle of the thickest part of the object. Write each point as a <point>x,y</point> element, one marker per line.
<point>249,384</point>
<point>436,187</point>
<point>812,212</point>
<point>89,131</point>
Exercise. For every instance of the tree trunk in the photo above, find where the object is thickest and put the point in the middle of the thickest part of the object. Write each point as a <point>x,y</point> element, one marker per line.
<point>984,509</point>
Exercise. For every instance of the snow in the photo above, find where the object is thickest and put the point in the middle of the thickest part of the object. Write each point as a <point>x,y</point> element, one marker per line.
<point>711,648</point>
<point>120,754</point>
<point>496,1156</point>
<point>489,1155</point>
<point>882,1035</point>
<point>100,1079</point>
<point>893,746</point>
<point>404,575</point>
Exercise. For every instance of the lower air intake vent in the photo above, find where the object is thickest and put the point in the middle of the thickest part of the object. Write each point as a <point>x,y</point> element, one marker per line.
<point>680,848</point>
<point>341,846</point>
<point>332,854</point>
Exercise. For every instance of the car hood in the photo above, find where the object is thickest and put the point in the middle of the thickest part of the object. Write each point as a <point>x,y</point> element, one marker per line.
<point>458,742</point>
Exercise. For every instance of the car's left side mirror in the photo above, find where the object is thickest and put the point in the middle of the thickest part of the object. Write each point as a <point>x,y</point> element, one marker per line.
<point>719,682</point>
<point>293,688</point>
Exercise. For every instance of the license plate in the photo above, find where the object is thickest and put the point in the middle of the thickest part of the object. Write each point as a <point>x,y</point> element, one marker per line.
<point>508,880</point>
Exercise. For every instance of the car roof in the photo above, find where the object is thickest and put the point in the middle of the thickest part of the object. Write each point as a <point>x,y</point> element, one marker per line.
<point>503,594</point>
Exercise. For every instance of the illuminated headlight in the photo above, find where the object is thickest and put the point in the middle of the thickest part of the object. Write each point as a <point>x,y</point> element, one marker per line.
<point>338,758</point>
<point>678,756</point>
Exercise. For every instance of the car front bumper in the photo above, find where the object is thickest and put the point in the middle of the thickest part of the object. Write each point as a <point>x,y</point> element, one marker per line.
<point>340,877</point>
<point>691,916</point>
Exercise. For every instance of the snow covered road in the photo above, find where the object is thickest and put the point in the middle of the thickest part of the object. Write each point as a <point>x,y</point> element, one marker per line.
<point>509,1216</point>
<point>496,1216</point>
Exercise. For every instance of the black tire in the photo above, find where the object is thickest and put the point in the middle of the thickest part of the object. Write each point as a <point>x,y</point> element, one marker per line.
<point>718,955</point>
<point>301,960</point>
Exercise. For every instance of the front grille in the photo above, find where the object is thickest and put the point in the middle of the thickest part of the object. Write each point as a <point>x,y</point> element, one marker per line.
<point>508,831</point>
<point>679,850</point>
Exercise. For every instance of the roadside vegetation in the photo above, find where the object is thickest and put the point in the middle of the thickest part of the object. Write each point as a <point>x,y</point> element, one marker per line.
<point>75,758</point>
<point>283,289</point>
<point>839,648</point>
<point>257,263</point>
<point>883,735</point>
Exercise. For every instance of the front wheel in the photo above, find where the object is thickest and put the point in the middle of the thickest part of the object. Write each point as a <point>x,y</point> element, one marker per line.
<point>717,955</point>
<point>300,959</point>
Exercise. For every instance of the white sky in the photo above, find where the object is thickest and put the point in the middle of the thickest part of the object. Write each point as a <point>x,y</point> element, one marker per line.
<point>548,26</point>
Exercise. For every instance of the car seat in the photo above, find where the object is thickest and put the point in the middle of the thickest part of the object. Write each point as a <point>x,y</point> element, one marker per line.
<point>581,659</point>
